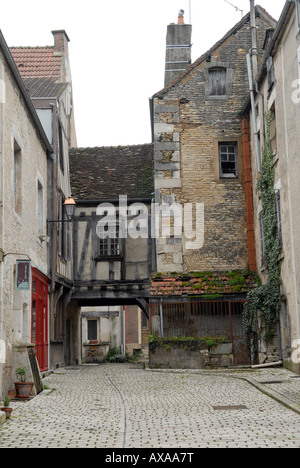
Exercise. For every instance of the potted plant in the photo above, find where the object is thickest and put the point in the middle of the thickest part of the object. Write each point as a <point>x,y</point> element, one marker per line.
<point>23,388</point>
<point>6,409</point>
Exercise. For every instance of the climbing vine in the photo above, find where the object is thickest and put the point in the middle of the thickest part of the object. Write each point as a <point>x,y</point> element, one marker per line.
<point>266,298</point>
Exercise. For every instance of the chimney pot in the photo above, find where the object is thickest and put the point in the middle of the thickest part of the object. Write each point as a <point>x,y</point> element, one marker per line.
<point>181,17</point>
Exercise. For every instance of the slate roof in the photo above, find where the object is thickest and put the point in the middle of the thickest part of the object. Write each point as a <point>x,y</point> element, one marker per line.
<point>37,62</point>
<point>105,173</point>
<point>44,87</point>
<point>203,284</point>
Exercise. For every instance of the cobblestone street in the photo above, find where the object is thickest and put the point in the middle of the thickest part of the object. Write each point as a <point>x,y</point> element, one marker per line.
<point>120,406</point>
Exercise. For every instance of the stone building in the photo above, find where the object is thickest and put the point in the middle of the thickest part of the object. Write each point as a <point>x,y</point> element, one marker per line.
<point>202,175</point>
<point>46,74</point>
<point>277,98</point>
<point>26,155</point>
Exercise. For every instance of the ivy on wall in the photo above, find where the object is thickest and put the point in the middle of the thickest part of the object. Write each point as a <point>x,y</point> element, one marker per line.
<point>266,298</point>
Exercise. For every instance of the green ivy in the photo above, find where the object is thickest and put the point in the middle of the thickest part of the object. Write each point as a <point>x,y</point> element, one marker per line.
<point>266,298</point>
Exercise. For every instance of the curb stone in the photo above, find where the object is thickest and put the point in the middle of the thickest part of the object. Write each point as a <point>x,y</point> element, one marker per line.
<point>273,394</point>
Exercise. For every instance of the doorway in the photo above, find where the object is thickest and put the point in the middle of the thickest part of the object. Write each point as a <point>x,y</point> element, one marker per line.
<point>39,323</point>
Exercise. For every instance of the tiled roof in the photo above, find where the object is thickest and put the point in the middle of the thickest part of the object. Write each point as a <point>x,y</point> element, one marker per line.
<point>37,62</point>
<point>44,87</point>
<point>205,284</point>
<point>107,172</point>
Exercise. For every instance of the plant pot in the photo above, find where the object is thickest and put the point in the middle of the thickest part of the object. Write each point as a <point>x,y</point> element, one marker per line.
<point>23,389</point>
<point>7,412</point>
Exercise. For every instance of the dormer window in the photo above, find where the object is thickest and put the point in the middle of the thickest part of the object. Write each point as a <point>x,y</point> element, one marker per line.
<point>217,82</point>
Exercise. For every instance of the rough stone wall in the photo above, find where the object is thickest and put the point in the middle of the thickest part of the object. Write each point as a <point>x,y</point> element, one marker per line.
<point>189,124</point>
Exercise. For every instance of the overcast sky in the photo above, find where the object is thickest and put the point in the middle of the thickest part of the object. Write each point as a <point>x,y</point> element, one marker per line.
<point>117,53</point>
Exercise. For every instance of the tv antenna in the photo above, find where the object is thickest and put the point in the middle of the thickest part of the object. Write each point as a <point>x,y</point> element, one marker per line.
<point>190,11</point>
<point>236,8</point>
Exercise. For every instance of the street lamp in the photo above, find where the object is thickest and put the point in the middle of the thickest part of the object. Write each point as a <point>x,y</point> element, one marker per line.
<point>70,206</point>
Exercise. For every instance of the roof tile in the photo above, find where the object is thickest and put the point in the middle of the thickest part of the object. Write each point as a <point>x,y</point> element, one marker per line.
<point>107,172</point>
<point>37,62</point>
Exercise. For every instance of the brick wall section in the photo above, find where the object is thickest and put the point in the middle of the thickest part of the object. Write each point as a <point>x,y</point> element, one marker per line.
<point>188,127</point>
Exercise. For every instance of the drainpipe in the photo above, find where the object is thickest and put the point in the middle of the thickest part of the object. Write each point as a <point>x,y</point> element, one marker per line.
<point>161,320</point>
<point>123,331</point>
<point>249,194</point>
<point>253,38</point>
<point>2,317</point>
<point>251,86</point>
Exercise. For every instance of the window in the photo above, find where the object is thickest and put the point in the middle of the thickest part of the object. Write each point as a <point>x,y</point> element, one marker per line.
<point>278,216</point>
<point>40,209</point>
<point>228,160</point>
<point>109,241</point>
<point>271,72</point>
<point>61,148</point>
<point>17,179</point>
<point>92,330</point>
<point>217,82</point>
<point>61,228</point>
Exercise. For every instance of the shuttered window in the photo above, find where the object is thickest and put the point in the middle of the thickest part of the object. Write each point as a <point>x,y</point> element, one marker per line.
<point>217,82</point>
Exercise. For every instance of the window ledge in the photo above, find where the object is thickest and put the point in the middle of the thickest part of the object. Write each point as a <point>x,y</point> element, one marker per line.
<point>231,177</point>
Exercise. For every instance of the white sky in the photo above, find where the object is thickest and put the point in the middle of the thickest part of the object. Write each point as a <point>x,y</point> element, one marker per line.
<point>117,53</point>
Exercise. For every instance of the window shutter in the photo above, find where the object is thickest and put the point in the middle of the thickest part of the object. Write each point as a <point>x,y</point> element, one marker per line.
<point>217,82</point>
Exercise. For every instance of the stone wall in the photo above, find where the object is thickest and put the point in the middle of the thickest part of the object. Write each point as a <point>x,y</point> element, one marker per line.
<point>188,354</point>
<point>22,231</point>
<point>189,125</point>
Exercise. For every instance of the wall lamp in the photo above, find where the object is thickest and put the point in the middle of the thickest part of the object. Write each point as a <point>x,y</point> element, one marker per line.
<point>70,206</point>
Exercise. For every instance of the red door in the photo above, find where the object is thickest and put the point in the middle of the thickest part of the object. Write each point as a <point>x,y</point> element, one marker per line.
<point>39,324</point>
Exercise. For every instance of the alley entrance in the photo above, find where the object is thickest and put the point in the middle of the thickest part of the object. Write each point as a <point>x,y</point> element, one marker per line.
<point>109,330</point>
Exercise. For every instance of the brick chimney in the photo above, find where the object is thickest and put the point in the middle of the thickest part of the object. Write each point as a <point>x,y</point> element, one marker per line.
<point>61,42</point>
<point>179,48</point>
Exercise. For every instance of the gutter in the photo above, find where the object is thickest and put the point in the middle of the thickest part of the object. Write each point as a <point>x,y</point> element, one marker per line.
<point>16,74</point>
